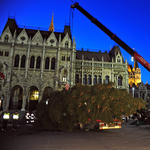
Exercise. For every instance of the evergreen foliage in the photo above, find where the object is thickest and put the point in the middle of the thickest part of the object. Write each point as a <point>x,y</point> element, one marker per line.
<point>83,102</point>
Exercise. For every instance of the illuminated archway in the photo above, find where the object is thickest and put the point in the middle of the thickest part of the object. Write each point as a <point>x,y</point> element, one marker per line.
<point>33,98</point>
<point>16,97</point>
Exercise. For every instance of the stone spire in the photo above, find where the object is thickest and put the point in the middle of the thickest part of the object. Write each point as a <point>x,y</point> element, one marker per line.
<point>51,27</point>
<point>135,64</point>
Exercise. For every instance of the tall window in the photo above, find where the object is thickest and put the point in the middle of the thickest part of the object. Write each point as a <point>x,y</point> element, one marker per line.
<point>120,81</point>
<point>85,79</point>
<point>1,53</point>
<point>66,45</point>
<point>89,79</point>
<point>32,62</point>
<point>6,38</point>
<point>38,62</point>
<point>23,60</point>
<point>16,64</point>
<point>63,58</point>
<point>76,79</point>
<point>6,54</point>
<point>64,78</point>
<point>53,63</point>
<point>106,79</point>
<point>95,79</point>
<point>99,79</point>
<point>68,58</point>
<point>47,63</point>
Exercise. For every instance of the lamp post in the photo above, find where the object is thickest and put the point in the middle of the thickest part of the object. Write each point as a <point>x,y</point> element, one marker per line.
<point>133,91</point>
<point>47,101</point>
<point>1,102</point>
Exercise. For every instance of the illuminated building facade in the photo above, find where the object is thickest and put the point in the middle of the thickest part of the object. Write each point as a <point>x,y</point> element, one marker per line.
<point>36,62</point>
<point>136,86</point>
<point>134,74</point>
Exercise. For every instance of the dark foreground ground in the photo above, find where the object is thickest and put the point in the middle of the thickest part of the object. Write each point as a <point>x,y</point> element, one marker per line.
<point>130,137</point>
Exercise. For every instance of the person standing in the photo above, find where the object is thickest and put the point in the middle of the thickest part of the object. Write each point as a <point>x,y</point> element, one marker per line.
<point>6,117</point>
<point>27,116</point>
<point>32,117</point>
<point>15,120</point>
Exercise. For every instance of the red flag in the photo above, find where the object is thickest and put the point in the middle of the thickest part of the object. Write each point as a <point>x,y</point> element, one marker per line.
<point>2,75</point>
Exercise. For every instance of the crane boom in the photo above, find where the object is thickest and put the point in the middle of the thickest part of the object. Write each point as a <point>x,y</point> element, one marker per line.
<point>139,58</point>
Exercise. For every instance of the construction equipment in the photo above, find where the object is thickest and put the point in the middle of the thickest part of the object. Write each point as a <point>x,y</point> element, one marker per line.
<point>134,54</point>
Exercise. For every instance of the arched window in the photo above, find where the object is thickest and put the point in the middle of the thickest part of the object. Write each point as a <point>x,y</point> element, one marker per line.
<point>120,81</point>
<point>23,60</point>
<point>85,80</point>
<point>38,62</point>
<point>89,79</point>
<point>1,53</point>
<point>99,79</point>
<point>68,58</point>
<point>106,79</point>
<point>76,79</point>
<point>66,44</point>
<point>16,64</point>
<point>47,63</point>
<point>53,63</point>
<point>143,96</point>
<point>95,79</point>
<point>6,38</point>
<point>63,58</point>
<point>64,79</point>
<point>32,62</point>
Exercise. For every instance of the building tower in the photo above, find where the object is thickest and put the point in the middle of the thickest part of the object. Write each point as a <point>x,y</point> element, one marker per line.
<point>51,27</point>
<point>134,74</point>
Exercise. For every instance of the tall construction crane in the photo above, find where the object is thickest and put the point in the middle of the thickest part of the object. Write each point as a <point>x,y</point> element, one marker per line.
<point>134,54</point>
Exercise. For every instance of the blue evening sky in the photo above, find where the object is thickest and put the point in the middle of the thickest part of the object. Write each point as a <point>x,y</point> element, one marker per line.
<point>128,19</point>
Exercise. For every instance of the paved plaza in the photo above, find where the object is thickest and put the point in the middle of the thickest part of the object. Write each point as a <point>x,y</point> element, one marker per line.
<point>130,137</point>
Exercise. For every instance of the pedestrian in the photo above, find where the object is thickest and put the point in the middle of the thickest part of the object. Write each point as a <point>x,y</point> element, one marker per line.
<point>27,116</point>
<point>6,117</point>
<point>126,119</point>
<point>15,120</point>
<point>32,117</point>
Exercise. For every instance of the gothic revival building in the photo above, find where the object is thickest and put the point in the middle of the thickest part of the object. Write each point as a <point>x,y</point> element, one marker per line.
<point>134,74</point>
<point>136,87</point>
<point>37,62</point>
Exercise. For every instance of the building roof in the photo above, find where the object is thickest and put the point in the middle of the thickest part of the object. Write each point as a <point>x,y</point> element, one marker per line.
<point>107,57</point>
<point>31,32</point>
<point>96,55</point>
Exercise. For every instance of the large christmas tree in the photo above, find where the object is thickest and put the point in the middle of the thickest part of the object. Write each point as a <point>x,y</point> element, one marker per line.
<point>83,102</point>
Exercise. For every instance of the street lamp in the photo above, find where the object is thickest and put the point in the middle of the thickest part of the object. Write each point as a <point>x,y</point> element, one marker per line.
<point>1,102</point>
<point>132,58</point>
<point>133,91</point>
<point>47,101</point>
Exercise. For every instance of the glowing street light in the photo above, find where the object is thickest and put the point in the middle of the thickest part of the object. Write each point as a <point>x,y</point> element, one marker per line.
<point>132,58</point>
<point>133,91</point>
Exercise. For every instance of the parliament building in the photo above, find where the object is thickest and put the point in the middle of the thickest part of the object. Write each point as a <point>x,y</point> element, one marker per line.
<point>36,62</point>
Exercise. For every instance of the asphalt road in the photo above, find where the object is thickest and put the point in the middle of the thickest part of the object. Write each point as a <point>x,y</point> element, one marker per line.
<point>130,137</point>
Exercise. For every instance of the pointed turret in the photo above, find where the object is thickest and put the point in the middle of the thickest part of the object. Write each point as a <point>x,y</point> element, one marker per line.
<point>135,64</point>
<point>51,27</point>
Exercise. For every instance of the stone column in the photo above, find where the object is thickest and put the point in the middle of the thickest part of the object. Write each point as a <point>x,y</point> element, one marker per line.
<point>7,100</point>
<point>42,63</point>
<point>40,96</point>
<point>27,60</point>
<point>82,69</point>
<point>92,70</point>
<point>24,101</point>
<point>19,63</point>
<point>102,71</point>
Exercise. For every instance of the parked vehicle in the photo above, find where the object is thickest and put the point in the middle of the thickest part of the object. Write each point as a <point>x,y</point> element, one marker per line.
<point>100,125</point>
